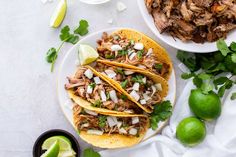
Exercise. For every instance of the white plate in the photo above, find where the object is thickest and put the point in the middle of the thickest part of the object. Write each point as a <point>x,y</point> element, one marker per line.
<point>68,67</point>
<point>176,43</point>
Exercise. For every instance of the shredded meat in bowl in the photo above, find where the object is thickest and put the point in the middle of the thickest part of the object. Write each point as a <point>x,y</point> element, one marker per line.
<point>196,20</point>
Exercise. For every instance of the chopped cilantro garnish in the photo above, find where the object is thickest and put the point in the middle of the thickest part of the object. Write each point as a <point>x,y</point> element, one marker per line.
<point>140,54</point>
<point>122,52</point>
<point>124,84</point>
<point>123,97</point>
<point>158,66</point>
<point>97,103</point>
<point>120,71</point>
<point>109,56</point>
<point>138,79</point>
<point>102,121</point>
<point>92,85</point>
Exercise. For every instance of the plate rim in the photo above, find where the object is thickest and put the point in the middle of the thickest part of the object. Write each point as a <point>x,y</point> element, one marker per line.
<point>164,123</point>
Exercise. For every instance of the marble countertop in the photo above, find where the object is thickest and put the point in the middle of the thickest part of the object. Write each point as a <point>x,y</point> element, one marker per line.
<point>29,104</point>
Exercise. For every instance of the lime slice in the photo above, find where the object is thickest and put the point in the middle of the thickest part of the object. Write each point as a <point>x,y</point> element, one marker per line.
<point>58,14</point>
<point>64,143</point>
<point>87,54</point>
<point>52,151</point>
<point>66,153</point>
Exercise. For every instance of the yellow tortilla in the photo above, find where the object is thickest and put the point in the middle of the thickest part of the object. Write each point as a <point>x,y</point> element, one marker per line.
<point>112,140</point>
<point>154,77</point>
<point>160,52</point>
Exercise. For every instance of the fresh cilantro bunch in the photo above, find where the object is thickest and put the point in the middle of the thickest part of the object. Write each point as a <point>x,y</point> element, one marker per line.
<point>161,112</point>
<point>209,70</point>
<point>68,37</point>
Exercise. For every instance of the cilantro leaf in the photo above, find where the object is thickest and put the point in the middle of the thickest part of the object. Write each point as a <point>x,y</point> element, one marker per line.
<point>197,81</point>
<point>186,76</point>
<point>138,79</point>
<point>204,76</point>
<point>206,87</point>
<point>89,152</point>
<point>66,36</point>
<point>102,121</point>
<point>51,55</point>
<point>161,112</point>
<point>140,54</point>
<point>233,46</point>
<point>222,46</point>
<point>83,28</point>
<point>188,59</point>
<point>158,66</point>
<point>92,85</point>
<point>233,96</point>
<point>97,103</point>
<point>120,71</point>
<point>122,52</point>
<point>233,57</point>
<point>220,81</point>
<point>124,84</point>
<point>109,56</point>
<point>123,97</point>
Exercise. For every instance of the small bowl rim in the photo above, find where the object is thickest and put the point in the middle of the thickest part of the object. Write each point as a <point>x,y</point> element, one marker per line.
<point>52,131</point>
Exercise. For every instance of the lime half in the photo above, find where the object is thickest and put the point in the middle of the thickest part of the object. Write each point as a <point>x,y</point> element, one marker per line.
<point>64,143</point>
<point>59,14</point>
<point>87,54</point>
<point>52,151</point>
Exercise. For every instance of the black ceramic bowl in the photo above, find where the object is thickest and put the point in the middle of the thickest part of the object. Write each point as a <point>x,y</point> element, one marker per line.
<point>37,150</point>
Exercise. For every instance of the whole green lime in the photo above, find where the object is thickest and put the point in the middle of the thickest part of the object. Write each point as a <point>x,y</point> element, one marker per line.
<point>205,106</point>
<point>191,131</point>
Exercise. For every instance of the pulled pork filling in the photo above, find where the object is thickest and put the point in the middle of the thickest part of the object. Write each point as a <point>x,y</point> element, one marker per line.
<point>99,93</point>
<point>94,123</point>
<point>196,20</point>
<point>123,50</point>
<point>141,88</point>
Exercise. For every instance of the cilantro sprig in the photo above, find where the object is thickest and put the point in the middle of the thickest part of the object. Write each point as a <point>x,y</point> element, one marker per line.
<point>207,69</point>
<point>161,112</point>
<point>89,152</point>
<point>66,37</point>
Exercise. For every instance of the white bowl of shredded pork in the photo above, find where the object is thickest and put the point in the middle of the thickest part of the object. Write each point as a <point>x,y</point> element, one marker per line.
<point>191,25</point>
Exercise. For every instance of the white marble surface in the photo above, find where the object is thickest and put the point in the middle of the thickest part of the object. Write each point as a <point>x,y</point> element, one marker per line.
<point>29,104</point>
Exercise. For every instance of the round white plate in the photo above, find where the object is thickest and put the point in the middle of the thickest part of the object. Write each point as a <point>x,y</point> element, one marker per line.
<point>176,43</point>
<point>68,68</point>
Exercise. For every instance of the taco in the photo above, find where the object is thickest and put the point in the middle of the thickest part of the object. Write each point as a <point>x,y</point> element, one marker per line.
<point>142,87</point>
<point>134,50</point>
<point>107,130</point>
<point>93,92</point>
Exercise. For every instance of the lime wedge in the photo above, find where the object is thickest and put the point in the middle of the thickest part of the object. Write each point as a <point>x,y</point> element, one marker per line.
<point>87,54</point>
<point>66,153</point>
<point>64,143</point>
<point>52,151</point>
<point>59,14</point>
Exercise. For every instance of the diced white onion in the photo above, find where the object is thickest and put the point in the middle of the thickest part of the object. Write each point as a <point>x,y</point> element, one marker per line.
<point>153,90</point>
<point>158,86</point>
<point>113,96</point>
<point>138,46</point>
<point>84,125</point>
<point>116,47</point>
<point>110,73</point>
<point>112,121</point>
<point>144,80</point>
<point>146,97</point>
<point>89,89</point>
<point>119,124</point>
<point>141,66</point>
<point>136,86</point>
<point>133,131</point>
<point>91,112</point>
<point>97,80</point>
<point>130,52</point>
<point>135,95</point>
<point>88,73</point>
<point>143,101</point>
<point>149,52</point>
<point>95,132</point>
<point>132,55</point>
<point>135,120</point>
<point>122,131</point>
<point>103,96</point>
<point>128,72</point>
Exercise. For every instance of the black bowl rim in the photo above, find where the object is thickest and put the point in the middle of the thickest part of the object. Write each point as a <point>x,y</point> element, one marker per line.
<point>55,130</point>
